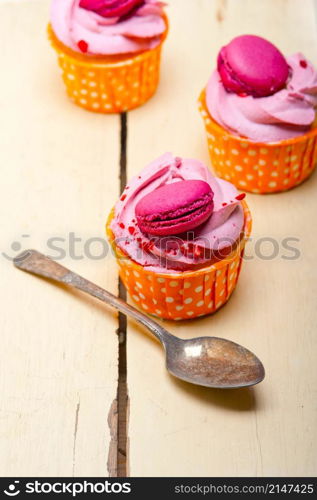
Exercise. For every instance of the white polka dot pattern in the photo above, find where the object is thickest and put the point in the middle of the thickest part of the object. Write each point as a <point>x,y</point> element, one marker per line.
<point>185,295</point>
<point>109,87</point>
<point>257,169</point>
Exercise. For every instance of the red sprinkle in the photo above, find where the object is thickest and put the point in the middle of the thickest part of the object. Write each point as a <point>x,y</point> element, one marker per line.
<point>242,94</point>
<point>147,246</point>
<point>178,161</point>
<point>83,46</point>
<point>131,229</point>
<point>197,252</point>
<point>303,63</point>
<point>123,197</point>
<point>224,204</point>
<point>240,196</point>
<point>188,250</point>
<point>122,225</point>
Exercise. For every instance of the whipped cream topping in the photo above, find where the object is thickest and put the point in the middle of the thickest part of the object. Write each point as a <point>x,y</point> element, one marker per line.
<point>288,113</point>
<point>84,30</point>
<point>206,244</point>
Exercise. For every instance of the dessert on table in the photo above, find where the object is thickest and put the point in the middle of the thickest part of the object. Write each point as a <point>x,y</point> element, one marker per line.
<point>259,109</point>
<point>109,50</point>
<point>179,235</point>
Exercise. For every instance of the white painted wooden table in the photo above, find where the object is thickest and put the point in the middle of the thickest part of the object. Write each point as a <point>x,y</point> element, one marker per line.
<point>59,351</point>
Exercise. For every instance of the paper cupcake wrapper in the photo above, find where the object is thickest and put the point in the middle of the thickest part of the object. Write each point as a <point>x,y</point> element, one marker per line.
<point>184,295</point>
<point>109,84</point>
<point>259,167</point>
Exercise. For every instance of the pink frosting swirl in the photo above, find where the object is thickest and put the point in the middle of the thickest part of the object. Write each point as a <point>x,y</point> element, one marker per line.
<point>288,113</point>
<point>206,244</point>
<point>88,30</point>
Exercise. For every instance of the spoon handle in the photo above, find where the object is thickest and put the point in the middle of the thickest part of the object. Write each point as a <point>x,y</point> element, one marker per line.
<point>36,263</point>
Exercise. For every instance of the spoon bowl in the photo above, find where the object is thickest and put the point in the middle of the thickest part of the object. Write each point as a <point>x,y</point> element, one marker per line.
<point>207,361</point>
<point>214,362</point>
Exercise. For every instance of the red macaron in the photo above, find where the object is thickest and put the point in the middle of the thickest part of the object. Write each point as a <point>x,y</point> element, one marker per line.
<point>251,65</point>
<point>110,8</point>
<point>175,208</point>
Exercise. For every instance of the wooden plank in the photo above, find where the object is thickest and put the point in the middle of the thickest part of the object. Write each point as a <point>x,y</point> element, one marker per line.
<point>178,429</point>
<point>59,350</point>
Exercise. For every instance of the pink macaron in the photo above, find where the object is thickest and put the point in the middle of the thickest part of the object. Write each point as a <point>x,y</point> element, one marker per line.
<point>110,8</point>
<point>175,208</point>
<point>251,65</point>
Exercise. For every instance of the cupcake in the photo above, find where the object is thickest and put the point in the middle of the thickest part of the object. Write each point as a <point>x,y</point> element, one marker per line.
<point>109,50</point>
<point>179,234</point>
<point>259,110</point>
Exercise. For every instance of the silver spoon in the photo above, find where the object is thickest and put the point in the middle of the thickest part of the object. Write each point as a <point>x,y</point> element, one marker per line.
<point>207,361</point>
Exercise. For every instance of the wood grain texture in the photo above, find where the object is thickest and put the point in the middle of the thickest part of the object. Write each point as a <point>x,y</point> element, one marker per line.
<point>178,429</point>
<point>60,168</point>
<point>58,368</point>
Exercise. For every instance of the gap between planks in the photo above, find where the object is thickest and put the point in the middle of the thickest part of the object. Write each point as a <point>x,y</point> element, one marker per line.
<point>122,396</point>
<point>118,414</point>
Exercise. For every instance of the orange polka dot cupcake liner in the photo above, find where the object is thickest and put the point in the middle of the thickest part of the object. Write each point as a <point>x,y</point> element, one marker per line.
<point>259,167</point>
<point>186,295</point>
<point>108,84</point>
